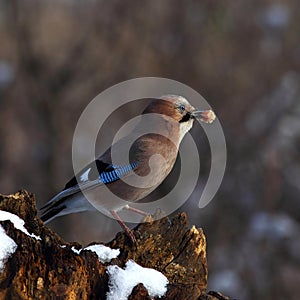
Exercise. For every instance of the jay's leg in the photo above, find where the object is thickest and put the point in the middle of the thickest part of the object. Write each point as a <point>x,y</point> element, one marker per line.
<point>135,210</point>
<point>124,226</point>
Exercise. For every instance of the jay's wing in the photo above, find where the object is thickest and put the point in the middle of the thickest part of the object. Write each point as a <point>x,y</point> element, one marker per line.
<point>88,176</point>
<point>93,175</point>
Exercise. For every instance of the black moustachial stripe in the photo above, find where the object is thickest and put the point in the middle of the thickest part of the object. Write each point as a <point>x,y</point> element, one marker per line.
<point>185,118</point>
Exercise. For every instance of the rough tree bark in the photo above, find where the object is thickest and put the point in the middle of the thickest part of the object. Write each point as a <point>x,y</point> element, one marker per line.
<point>42,269</point>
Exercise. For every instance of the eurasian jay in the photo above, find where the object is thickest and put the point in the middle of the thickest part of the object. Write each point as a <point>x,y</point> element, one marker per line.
<point>173,117</point>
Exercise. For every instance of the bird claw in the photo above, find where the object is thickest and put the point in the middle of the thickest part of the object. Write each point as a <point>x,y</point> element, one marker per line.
<point>131,235</point>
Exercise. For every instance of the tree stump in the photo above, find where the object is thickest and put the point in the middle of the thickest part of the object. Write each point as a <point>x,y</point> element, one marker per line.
<point>48,268</point>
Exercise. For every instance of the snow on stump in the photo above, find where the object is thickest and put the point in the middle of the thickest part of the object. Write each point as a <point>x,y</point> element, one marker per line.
<point>35,263</point>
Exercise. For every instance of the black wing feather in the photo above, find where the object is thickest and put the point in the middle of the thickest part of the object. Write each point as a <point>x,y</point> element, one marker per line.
<point>97,167</point>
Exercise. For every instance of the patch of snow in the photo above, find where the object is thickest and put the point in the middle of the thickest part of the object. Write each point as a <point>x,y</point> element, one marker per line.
<point>7,247</point>
<point>17,221</point>
<point>75,250</point>
<point>105,254</point>
<point>121,282</point>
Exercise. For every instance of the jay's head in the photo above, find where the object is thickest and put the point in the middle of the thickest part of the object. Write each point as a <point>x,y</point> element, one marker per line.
<point>180,110</point>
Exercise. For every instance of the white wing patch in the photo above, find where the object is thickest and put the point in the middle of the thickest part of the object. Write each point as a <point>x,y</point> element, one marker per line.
<point>85,175</point>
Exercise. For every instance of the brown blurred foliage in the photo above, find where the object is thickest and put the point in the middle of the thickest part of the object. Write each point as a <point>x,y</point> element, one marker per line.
<point>242,56</point>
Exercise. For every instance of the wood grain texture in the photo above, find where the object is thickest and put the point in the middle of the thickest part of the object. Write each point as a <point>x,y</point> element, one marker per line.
<point>43,269</point>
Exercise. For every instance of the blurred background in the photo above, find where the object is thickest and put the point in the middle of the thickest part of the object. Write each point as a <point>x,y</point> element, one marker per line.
<point>242,56</point>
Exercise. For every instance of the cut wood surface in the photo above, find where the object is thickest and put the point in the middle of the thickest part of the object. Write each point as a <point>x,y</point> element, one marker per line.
<point>48,268</point>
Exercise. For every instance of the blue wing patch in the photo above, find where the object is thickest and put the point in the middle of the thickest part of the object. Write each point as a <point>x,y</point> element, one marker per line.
<point>116,173</point>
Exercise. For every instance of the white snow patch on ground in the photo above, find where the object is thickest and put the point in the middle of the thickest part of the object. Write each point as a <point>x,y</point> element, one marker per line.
<point>122,282</point>
<point>105,254</point>
<point>17,221</point>
<point>7,247</point>
<point>75,250</point>
<point>7,244</point>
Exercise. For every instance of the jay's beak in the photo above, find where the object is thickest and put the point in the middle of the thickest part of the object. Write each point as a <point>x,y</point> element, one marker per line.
<point>207,116</point>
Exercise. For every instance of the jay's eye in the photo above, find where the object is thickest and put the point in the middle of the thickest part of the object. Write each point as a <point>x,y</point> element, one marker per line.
<point>181,108</point>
